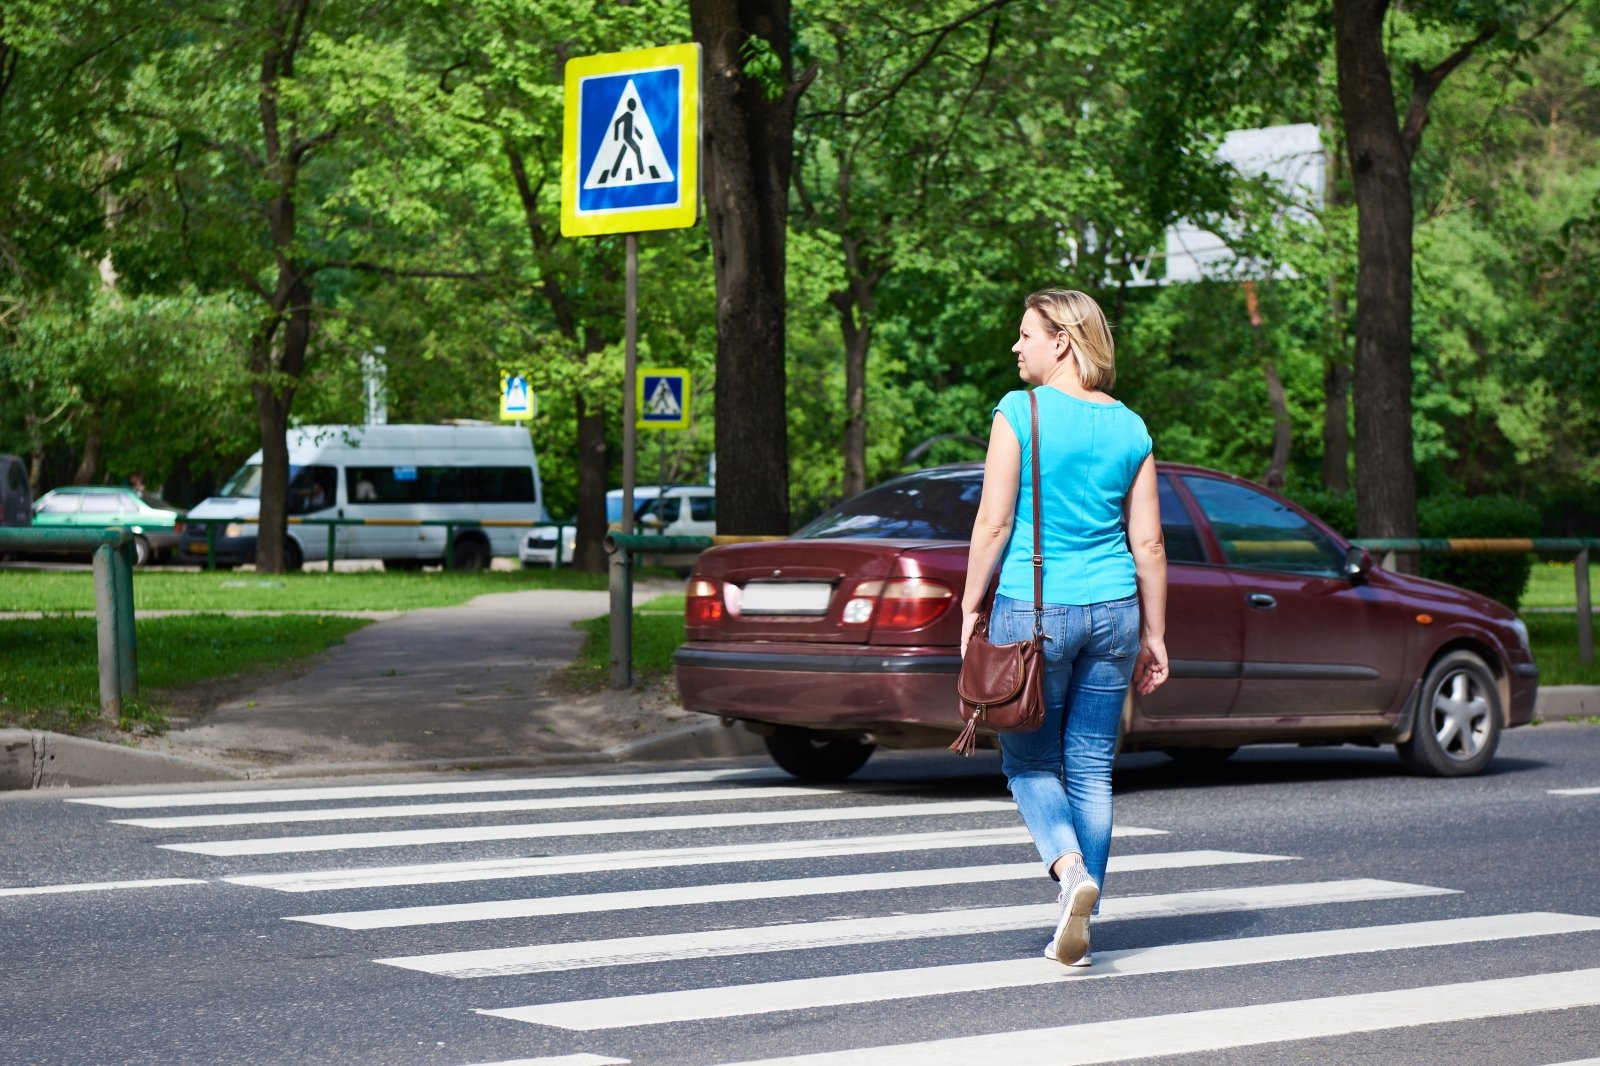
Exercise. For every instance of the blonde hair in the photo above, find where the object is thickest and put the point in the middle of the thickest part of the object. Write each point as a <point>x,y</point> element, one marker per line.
<point>1080,318</point>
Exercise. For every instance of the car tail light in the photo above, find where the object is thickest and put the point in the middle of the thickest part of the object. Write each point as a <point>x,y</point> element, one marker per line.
<point>703,603</point>
<point>901,603</point>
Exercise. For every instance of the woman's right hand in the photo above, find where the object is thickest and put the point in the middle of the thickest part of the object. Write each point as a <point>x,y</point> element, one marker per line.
<point>1150,668</point>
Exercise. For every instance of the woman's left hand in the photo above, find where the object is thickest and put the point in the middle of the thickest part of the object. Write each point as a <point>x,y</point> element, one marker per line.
<point>969,621</point>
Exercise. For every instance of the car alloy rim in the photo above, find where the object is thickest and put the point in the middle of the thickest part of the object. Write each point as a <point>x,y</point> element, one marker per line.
<point>1461,714</point>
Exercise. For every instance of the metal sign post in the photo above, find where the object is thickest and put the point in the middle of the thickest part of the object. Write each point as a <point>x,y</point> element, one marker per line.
<point>630,162</point>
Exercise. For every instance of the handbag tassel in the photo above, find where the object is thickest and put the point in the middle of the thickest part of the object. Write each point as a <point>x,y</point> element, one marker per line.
<point>967,742</point>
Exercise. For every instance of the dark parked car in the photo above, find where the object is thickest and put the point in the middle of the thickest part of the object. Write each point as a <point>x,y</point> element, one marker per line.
<point>845,636</point>
<point>155,523</point>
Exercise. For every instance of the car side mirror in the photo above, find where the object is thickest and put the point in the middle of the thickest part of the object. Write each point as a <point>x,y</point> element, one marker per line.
<point>1357,561</point>
<point>651,520</point>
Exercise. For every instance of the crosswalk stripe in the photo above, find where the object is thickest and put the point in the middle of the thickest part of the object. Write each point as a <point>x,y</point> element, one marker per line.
<point>424,788</point>
<point>562,1060</point>
<point>700,1004</point>
<point>1575,792</point>
<point>543,803</point>
<point>647,859</point>
<point>399,838</point>
<point>1232,1027</point>
<point>595,902</point>
<point>98,886</point>
<point>538,958</point>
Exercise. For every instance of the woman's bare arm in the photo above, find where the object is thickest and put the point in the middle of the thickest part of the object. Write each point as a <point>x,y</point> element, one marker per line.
<point>1150,564</point>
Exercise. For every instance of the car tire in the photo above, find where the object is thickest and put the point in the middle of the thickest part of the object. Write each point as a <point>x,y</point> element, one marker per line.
<point>1199,756</point>
<point>143,553</point>
<point>293,558</point>
<point>1458,719</point>
<point>813,756</point>
<point>471,554</point>
<point>402,565</point>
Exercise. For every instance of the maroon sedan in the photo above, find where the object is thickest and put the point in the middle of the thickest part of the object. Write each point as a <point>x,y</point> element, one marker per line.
<point>845,636</point>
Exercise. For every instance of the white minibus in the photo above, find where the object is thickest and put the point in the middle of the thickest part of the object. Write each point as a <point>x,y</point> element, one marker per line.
<point>390,476</point>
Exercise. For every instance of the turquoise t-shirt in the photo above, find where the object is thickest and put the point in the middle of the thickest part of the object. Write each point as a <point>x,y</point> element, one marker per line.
<point>1090,455</point>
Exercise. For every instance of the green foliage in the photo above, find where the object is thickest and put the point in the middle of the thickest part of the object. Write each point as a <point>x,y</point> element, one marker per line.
<point>1498,576</point>
<point>656,635</point>
<point>49,673</point>
<point>764,66</point>
<point>1554,638</point>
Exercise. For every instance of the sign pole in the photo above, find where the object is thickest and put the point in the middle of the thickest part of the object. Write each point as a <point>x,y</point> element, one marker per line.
<point>630,375</point>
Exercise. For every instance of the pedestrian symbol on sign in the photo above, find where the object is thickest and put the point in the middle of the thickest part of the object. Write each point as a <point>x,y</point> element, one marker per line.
<point>663,399</point>
<point>631,153</point>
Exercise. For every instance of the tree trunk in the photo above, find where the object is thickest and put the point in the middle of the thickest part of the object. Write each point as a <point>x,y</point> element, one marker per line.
<point>1282,429</point>
<point>1336,423</point>
<point>590,554</point>
<point>748,154</point>
<point>857,332</point>
<point>93,440</point>
<point>272,423</point>
<point>1380,166</point>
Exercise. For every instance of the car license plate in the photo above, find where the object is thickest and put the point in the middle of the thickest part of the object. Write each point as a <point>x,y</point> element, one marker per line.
<point>197,549</point>
<point>786,597</point>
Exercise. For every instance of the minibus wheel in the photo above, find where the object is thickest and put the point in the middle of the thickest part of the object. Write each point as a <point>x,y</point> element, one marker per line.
<point>471,553</point>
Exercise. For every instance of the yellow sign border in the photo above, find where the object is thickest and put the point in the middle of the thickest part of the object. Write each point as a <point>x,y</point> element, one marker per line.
<point>678,372</point>
<point>686,211</point>
<point>506,415</point>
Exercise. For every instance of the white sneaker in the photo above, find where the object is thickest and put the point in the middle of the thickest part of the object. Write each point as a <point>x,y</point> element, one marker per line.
<point>1078,896</point>
<point>1086,959</point>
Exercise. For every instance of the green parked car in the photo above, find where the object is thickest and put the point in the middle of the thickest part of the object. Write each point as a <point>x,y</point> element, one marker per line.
<point>154,521</point>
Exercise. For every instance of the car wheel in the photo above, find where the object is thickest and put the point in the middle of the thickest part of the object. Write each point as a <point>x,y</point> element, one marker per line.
<point>293,557</point>
<point>142,552</point>
<point>402,564</point>
<point>1457,726</point>
<point>1199,756</point>
<point>471,554</point>
<point>813,756</point>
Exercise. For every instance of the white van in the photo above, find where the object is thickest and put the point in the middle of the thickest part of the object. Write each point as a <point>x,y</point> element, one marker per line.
<point>538,548</point>
<point>390,475</point>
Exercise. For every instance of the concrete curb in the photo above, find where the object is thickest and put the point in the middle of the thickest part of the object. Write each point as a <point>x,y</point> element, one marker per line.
<point>1558,702</point>
<point>31,759</point>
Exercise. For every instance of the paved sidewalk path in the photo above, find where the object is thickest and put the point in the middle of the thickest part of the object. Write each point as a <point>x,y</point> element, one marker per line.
<point>468,682</point>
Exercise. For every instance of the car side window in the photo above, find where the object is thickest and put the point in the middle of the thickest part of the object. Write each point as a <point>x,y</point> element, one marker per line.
<point>64,504</point>
<point>1177,528</point>
<point>1258,532</point>
<point>312,488</point>
<point>703,508</point>
<point>100,503</point>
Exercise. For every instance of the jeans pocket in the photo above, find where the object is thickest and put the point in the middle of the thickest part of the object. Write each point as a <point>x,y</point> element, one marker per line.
<point>1124,615</point>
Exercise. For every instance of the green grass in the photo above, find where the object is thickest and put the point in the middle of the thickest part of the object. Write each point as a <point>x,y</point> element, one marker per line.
<point>1552,585</point>
<point>1555,648</point>
<point>49,672</point>
<point>364,590</point>
<point>655,637</point>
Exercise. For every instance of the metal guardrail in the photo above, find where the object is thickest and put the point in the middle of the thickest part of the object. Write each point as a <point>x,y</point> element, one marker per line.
<point>1578,547</point>
<point>113,600</point>
<point>333,524</point>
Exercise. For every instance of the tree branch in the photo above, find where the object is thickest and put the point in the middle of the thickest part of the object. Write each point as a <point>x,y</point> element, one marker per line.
<point>305,145</point>
<point>1425,82</point>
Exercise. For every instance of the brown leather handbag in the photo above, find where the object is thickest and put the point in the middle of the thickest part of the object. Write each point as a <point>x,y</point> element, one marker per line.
<point>1002,685</point>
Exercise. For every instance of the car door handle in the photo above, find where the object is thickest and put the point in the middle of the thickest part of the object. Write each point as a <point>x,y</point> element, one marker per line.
<point>1261,601</point>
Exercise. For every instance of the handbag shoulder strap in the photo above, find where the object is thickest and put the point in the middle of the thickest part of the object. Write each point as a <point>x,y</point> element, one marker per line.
<point>1038,532</point>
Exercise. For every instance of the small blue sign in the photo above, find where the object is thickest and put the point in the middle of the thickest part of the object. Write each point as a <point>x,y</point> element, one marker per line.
<point>628,139</point>
<point>663,399</point>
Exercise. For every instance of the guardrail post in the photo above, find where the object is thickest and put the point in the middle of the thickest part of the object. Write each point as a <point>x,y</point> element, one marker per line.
<point>105,614</point>
<point>211,545</point>
<point>1580,575</point>
<point>449,545</point>
<point>621,618</point>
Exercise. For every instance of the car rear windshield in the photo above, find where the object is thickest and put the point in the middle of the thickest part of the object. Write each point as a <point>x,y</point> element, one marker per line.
<point>936,504</point>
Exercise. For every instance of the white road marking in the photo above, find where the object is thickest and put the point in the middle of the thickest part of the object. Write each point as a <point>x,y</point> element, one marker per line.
<point>98,886</point>
<point>399,838</point>
<point>1575,792</point>
<point>562,1060</point>
<point>595,902</point>
<point>699,1004</point>
<point>425,788</point>
<point>539,958</point>
<point>1233,1027</point>
<point>438,810</point>
<point>549,865</point>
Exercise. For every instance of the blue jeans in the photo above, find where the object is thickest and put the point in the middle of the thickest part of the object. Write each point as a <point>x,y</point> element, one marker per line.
<point>1060,774</point>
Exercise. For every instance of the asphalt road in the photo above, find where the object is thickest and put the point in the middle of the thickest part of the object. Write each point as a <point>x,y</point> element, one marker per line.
<point>1289,906</point>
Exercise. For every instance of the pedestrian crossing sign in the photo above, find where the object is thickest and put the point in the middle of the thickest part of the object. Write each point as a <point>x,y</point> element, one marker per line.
<point>516,398</point>
<point>662,399</point>
<point>630,150</point>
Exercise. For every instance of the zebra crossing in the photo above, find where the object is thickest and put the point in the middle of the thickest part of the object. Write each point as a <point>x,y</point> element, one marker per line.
<point>922,872</point>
